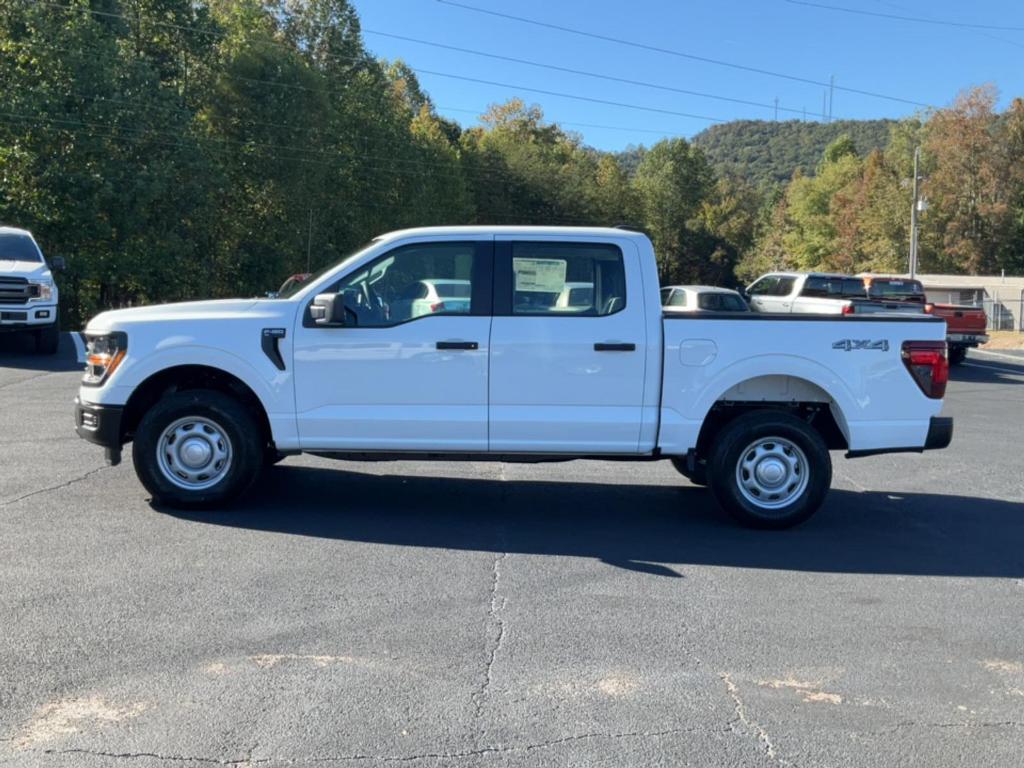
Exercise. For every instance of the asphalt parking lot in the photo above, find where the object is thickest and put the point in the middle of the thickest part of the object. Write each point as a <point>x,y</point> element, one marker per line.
<point>580,614</point>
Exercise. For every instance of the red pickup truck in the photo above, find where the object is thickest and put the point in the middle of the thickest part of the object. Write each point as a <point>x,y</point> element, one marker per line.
<point>965,326</point>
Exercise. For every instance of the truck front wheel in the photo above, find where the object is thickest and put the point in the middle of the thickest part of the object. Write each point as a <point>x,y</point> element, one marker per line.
<point>957,354</point>
<point>197,448</point>
<point>48,339</point>
<point>769,469</point>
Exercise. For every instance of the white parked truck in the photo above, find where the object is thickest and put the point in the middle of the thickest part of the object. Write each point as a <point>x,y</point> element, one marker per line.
<point>28,293</point>
<point>210,392</point>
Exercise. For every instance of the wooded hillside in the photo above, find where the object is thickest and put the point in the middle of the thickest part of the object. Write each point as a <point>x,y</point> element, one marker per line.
<point>765,151</point>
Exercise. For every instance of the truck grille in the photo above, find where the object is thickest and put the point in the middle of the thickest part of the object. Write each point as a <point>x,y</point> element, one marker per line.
<point>16,290</point>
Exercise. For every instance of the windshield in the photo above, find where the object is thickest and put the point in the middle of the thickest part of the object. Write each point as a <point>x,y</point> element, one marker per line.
<point>18,247</point>
<point>287,291</point>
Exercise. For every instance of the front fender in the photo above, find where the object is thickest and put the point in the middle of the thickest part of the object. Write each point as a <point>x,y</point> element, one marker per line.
<point>273,388</point>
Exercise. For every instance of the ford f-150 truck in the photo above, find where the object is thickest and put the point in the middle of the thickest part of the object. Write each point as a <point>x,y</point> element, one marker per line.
<point>346,365</point>
<point>28,293</point>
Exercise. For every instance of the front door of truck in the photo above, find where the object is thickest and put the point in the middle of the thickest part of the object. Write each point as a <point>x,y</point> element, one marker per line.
<point>408,369</point>
<point>568,347</point>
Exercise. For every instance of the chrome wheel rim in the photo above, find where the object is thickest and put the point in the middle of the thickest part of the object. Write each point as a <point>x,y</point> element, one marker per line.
<point>194,453</point>
<point>772,473</point>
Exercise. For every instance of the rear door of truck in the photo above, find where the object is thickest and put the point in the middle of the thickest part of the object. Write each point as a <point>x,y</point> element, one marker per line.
<point>567,377</point>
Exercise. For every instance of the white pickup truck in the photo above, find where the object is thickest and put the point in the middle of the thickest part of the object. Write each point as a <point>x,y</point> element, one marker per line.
<point>344,365</point>
<point>28,293</point>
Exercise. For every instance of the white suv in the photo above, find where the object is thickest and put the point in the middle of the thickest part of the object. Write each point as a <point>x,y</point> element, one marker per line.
<point>28,293</point>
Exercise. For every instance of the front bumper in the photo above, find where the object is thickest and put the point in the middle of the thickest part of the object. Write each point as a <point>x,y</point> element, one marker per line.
<point>15,317</point>
<point>940,435</point>
<point>100,424</point>
<point>968,339</point>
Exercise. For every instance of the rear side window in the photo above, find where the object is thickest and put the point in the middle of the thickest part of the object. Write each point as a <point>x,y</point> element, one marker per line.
<point>721,302</point>
<point>784,287</point>
<point>18,247</point>
<point>824,287</point>
<point>567,279</point>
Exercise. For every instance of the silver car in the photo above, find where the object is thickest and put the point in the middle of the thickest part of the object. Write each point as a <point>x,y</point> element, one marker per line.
<point>701,298</point>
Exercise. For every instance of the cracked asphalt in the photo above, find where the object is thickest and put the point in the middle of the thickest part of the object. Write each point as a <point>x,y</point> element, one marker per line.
<point>474,614</point>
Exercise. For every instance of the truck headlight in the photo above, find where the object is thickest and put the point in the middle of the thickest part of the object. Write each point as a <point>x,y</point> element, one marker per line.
<point>103,354</point>
<point>43,291</point>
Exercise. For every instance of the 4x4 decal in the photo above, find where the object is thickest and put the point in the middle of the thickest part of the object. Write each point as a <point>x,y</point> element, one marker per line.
<point>849,345</point>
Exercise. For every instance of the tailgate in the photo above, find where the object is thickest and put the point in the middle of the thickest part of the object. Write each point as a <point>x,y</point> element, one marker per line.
<point>962,319</point>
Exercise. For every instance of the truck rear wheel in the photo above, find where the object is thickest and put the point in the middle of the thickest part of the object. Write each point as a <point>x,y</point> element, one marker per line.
<point>769,469</point>
<point>196,449</point>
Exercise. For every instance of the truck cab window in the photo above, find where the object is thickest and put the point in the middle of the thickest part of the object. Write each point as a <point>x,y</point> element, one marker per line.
<point>411,282</point>
<point>765,286</point>
<point>567,279</point>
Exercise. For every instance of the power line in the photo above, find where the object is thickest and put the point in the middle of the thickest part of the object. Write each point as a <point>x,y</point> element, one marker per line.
<point>899,17</point>
<point>571,96</point>
<point>585,73</point>
<point>680,54</point>
<point>436,73</point>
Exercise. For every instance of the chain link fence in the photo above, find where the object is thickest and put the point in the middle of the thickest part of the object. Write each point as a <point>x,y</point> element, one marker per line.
<point>1004,314</point>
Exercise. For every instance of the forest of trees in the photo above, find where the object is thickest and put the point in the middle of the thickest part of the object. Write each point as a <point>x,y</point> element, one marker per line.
<point>764,151</point>
<point>172,149</point>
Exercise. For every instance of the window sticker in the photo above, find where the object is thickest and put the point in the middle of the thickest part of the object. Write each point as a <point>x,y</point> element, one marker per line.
<point>542,275</point>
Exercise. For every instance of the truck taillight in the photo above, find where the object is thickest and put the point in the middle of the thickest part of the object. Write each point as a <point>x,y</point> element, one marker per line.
<point>929,309</point>
<point>848,309</point>
<point>929,365</point>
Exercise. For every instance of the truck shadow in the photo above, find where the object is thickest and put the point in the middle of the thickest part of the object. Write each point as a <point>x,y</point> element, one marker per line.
<point>977,371</point>
<point>655,529</point>
<point>18,350</point>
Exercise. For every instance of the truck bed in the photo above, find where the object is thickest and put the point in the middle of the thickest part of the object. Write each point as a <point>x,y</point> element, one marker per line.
<point>852,365</point>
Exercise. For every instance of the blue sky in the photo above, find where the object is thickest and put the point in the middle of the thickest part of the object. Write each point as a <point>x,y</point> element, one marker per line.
<point>920,62</point>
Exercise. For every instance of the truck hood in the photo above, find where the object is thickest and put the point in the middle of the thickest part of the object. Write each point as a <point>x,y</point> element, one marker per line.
<point>163,313</point>
<point>33,270</point>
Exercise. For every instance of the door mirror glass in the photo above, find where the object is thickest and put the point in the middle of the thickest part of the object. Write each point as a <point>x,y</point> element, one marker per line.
<point>328,310</point>
<point>57,264</point>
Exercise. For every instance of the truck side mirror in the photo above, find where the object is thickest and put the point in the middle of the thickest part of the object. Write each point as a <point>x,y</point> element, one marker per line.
<point>328,310</point>
<point>57,264</point>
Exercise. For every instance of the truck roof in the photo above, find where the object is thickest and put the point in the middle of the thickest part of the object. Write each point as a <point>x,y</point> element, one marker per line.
<point>4,230</point>
<point>513,230</point>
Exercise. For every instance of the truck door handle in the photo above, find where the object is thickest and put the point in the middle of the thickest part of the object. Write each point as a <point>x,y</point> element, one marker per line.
<point>457,345</point>
<point>609,346</point>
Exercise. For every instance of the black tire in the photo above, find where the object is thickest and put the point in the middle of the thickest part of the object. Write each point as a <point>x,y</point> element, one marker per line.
<point>48,339</point>
<point>245,444</point>
<point>796,446</point>
<point>699,474</point>
<point>957,355</point>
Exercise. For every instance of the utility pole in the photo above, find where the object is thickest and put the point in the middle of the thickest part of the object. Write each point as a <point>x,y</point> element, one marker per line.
<point>776,109</point>
<point>309,242</point>
<point>824,102</point>
<point>913,215</point>
<point>831,93</point>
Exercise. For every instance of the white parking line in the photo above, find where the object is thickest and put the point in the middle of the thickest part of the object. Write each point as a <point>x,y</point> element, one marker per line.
<point>1014,358</point>
<point>76,338</point>
<point>1018,372</point>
